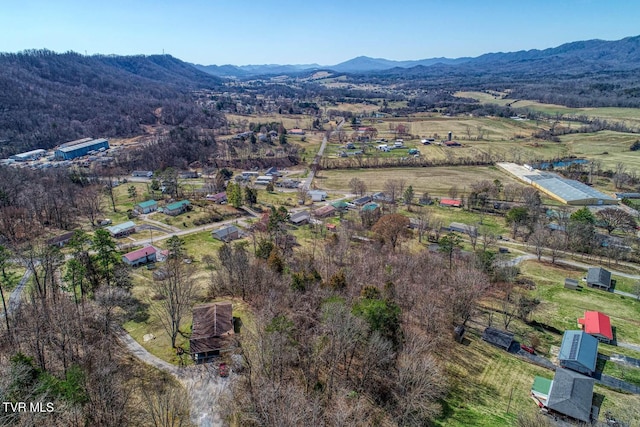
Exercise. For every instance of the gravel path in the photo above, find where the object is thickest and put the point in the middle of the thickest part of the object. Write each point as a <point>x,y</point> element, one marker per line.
<point>201,382</point>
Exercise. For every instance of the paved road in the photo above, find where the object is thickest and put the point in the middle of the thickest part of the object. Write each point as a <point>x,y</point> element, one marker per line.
<point>16,296</point>
<point>316,161</point>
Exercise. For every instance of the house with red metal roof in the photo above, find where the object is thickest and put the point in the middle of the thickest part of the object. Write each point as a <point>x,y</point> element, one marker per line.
<point>453,203</point>
<point>140,256</point>
<point>597,324</point>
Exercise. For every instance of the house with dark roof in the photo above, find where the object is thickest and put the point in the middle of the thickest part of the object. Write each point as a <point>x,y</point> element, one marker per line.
<point>361,201</point>
<point>60,240</point>
<point>218,198</point>
<point>598,277</point>
<point>381,197</point>
<point>227,234</point>
<point>146,207</point>
<point>501,339</point>
<point>140,256</point>
<point>299,218</point>
<point>211,331</point>
<point>578,352</point>
<point>463,228</point>
<point>597,324</point>
<point>569,394</point>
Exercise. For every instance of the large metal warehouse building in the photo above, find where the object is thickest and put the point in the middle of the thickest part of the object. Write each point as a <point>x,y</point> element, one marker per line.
<point>68,152</point>
<point>29,155</point>
<point>564,190</point>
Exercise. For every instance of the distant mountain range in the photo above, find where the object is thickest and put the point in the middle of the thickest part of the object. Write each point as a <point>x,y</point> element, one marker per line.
<point>572,57</point>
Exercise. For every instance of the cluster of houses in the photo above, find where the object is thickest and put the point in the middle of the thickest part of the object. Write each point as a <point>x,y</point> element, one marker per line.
<point>570,393</point>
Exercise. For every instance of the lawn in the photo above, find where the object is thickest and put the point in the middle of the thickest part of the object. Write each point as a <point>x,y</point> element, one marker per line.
<point>485,382</point>
<point>560,307</point>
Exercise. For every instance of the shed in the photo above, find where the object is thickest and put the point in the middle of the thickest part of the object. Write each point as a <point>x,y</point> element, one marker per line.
<point>501,339</point>
<point>578,352</point>
<point>598,277</point>
<point>227,234</point>
<point>146,207</point>
<point>317,195</point>
<point>121,230</point>
<point>299,218</point>
<point>571,284</point>
<point>211,330</point>
<point>140,256</point>
<point>598,325</point>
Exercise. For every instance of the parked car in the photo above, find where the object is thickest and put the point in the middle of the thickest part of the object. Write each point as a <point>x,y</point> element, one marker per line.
<point>223,370</point>
<point>528,349</point>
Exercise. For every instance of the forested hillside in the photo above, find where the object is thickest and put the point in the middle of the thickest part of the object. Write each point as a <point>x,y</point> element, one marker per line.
<point>48,98</point>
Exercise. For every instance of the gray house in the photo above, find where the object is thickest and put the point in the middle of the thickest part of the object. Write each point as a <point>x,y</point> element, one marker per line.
<point>498,338</point>
<point>300,218</point>
<point>570,394</point>
<point>598,277</point>
<point>578,352</point>
<point>227,234</point>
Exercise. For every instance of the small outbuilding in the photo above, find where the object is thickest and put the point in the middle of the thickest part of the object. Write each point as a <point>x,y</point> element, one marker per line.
<point>598,325</point>
<point>578,352</point>
<point>450,203</point>
<point>317,195</point>
<point>571,284</point>
<point>498,338</point>
<point>598,277</point>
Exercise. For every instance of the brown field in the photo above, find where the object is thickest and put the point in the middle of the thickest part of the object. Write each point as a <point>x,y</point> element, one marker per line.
<point>434,180</point>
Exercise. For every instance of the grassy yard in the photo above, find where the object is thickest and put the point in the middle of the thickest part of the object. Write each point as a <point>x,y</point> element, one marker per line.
<point>483,381</point>
<point>562,307</point>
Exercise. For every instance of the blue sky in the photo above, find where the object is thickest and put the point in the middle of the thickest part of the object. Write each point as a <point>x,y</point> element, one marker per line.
<point>300,32</point>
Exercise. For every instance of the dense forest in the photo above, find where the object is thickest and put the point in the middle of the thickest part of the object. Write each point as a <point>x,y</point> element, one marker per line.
<point>48,98</point>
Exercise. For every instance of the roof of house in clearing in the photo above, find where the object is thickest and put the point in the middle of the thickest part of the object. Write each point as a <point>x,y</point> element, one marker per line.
<point>119,228</point>
<point>450,202</point>
<point>147,204</point>
<point>211,324</point>
<point>579,347</point>
<point>596,323</point>
<point>571,394</point>
<point>140,253</point>
<point>599,276</point>
<point>502,339</point>
<point>299,216</point>
<point>370,207</point>
<point>339,204</point>
<point>61,238</point>
<point>177,205</point>
<point>325,210</point>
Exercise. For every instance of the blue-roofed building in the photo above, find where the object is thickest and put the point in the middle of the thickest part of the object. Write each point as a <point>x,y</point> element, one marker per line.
<point>72,151</point>
<point>578,352</point>
<point>121,230</point>
<point>146,207</point>
<point>177,208</point>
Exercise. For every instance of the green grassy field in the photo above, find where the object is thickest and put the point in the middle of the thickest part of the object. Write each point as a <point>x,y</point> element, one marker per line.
<point>562,307</point>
